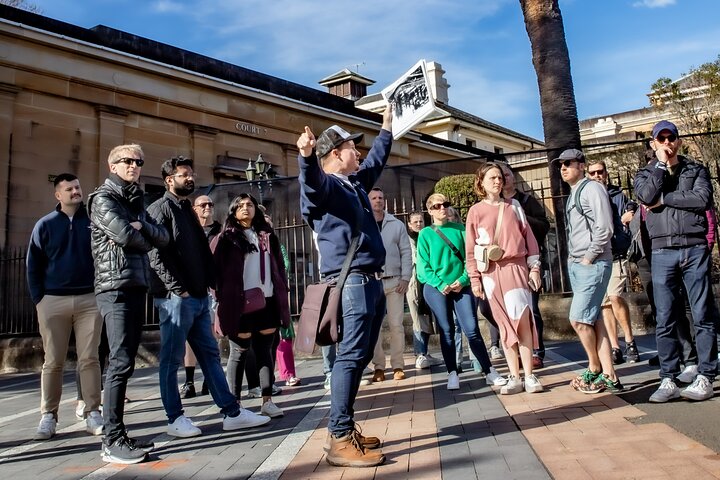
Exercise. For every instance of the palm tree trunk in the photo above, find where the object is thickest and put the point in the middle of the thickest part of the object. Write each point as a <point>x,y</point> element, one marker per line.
<point>544,25</point>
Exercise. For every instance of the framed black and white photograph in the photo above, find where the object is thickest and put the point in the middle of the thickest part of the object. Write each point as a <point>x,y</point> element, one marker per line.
<point>411,97</point>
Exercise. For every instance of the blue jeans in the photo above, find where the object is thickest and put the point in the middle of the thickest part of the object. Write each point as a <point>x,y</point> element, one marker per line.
<point>329,352</point>
<point>363,309</point>
<point>420,342</point>
<point>463,305</point>
<point>188,319</point>
<point>672,267</point>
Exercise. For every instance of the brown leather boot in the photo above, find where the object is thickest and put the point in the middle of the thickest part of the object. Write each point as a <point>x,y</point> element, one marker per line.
<point>398,374</point>
<point>378,376</point>
<point>347,451</point>
<point>367,442</point>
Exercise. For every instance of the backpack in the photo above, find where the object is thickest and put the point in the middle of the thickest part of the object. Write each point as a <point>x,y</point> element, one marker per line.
<point>621,238</point>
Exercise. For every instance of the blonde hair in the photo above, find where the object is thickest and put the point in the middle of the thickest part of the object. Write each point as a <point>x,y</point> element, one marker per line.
<point>121,151</point>
<point>435,198</point>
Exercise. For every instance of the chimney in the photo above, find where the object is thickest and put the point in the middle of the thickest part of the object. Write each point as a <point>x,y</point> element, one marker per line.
<point>438,84</point>
<point>347,84</point>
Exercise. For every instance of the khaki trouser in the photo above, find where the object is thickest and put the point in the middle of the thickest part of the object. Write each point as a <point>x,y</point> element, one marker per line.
<point>395,304</point>
<point>58,316</point>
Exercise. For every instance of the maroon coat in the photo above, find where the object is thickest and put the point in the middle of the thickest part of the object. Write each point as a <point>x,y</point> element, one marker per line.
<point>229,255</point>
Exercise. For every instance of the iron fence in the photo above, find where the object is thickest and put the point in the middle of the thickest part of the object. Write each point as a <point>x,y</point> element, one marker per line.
<point>406,189</point>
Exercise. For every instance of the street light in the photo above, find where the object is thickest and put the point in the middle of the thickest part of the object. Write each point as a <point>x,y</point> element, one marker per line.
<point>261,172</point>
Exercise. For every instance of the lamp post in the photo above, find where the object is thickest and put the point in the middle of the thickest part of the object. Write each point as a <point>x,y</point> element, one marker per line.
<point>262,171</point>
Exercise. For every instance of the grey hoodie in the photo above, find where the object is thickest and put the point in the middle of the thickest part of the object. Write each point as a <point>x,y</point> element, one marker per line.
<point>589,235</point>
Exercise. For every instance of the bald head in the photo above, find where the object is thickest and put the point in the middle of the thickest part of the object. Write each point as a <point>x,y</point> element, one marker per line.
<point>204,209</point>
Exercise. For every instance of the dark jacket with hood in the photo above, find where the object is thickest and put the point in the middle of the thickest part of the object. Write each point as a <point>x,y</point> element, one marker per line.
<point>685,193</point>
<point>229,253</point>
<point>185,264</point>
<point>120,251</point>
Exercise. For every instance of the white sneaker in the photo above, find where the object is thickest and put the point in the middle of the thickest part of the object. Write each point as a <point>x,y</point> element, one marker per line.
<point>433,361</point>
<point>244,419</point>
<point>80,410</point>
<point>276,390</point>
<point>494,378</point>
<point>512,386</point>
<point>183,427</point>
<point>495,353</point>
<point>422,362</point>
<point>47,427</point>
<point>688,374</point>
<point>701,389</point>
<point>254,393</point>
<point>269,409</point>
<point>328,380</point>
<point>667,391</point>
<point>532,384</point>
<point>453,381</point>
<point>94,423</point>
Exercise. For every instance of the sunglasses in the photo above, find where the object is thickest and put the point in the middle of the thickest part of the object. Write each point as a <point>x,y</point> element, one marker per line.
<point>566,163</point>
<point>129,161</point>
<point>661,138</point>
<point>206,205</point>
<point>438,206</point>
<point>596,172</point>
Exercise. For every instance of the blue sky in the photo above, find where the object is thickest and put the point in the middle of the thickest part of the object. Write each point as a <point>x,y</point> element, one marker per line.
<point>618,48</point>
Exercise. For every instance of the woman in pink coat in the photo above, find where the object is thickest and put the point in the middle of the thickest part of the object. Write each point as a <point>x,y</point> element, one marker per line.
<point>505,281</point>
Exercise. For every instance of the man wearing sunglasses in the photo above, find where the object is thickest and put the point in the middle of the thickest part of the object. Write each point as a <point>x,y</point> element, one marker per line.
<point>122,234</point>
<point>615,309</point>
<point>677,192</point>
<point>589,223</point>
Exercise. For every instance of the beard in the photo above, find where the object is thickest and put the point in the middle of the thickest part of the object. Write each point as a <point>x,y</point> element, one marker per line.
<point>184,190</point>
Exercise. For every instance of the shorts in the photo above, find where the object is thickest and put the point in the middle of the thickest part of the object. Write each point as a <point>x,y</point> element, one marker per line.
<point>264,319</point>
<point>618,278</point>
<point>589,284</point>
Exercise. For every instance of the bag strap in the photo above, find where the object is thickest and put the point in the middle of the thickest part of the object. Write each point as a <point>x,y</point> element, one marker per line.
<point>353,244</point>
<point>449,243</point>
<point>501,209</point>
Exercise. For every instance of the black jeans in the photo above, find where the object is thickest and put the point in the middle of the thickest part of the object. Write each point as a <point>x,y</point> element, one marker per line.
<point>123,312</point>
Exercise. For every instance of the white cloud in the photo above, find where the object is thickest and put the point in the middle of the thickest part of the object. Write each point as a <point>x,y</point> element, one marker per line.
<point>654,3</point>
<point>168,6</point>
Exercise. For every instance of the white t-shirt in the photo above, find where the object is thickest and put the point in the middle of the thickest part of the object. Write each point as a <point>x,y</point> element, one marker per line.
<point>251,271</point>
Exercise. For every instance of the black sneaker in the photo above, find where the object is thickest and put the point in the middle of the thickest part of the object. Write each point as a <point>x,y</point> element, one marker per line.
<point>654,361</point>
<point>122,451</point>
<point>205,389</point>
<point>145,445</point>
<point>188,390</point>
<point>631,352</point>
<point>617,356</point>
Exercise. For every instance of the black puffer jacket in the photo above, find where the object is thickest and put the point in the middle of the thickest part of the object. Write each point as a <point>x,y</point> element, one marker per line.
<point>119,251</point>
<point>686,193</point>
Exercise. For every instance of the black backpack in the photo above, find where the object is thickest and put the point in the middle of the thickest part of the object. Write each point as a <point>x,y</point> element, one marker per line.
<point>621,239</point>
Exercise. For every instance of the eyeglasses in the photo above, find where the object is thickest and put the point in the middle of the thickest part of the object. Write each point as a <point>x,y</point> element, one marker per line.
<point>661,138</point>
<point>205,205</point>
<point>129,161</point>
<point>184,175</point>
<point>438,206</point>
<point>596,172</point>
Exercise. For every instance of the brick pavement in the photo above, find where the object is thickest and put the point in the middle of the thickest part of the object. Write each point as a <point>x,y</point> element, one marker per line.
<point>428,432</point>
